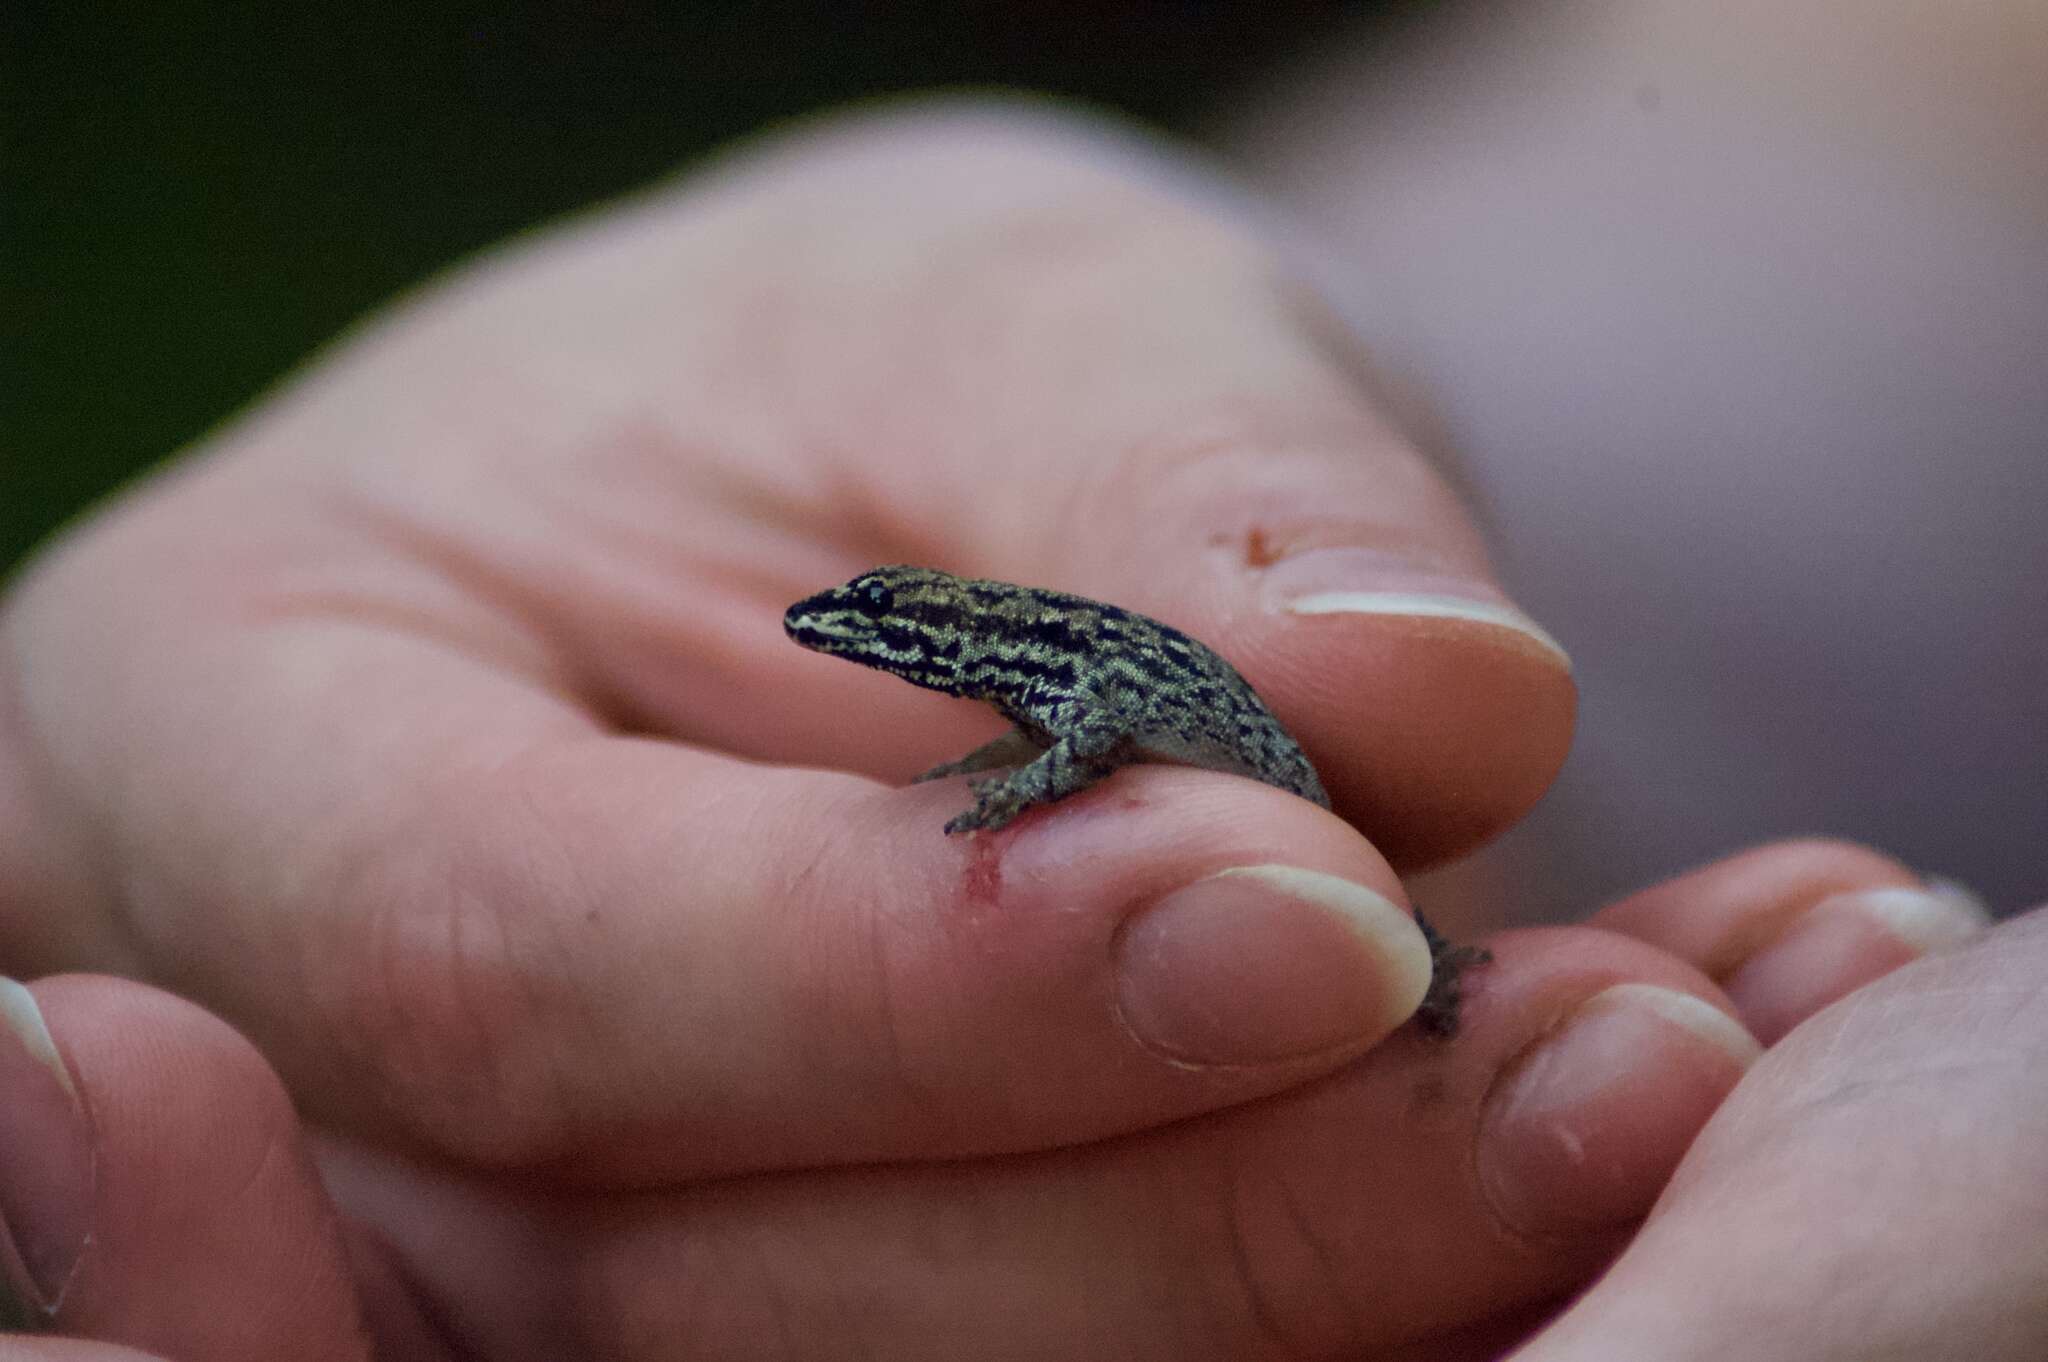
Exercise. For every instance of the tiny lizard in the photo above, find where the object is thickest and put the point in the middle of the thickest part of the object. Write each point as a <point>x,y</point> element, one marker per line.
<point>1086,686</point>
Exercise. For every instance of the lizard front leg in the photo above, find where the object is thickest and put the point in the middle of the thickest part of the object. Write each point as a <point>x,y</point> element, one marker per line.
<point>1014,748</point>
<point>1075,761</point>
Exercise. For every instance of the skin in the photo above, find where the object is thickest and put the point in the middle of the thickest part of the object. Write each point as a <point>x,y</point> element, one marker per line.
<point>435,729</point>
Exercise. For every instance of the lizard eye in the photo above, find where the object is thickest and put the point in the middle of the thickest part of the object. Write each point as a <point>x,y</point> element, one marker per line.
<point>874,600</point>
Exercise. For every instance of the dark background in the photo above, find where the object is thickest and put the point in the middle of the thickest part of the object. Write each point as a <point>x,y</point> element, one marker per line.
<point>194,196</point>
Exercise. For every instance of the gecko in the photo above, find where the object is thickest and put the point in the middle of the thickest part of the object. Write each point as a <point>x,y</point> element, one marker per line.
<point>1087,687</point>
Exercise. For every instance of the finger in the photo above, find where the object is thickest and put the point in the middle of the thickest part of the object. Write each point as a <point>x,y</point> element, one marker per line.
<point>1178,430</point>
<point>1874,1189</point>
<point>1790,927</point>
<point>664,969</point>
<point>1407,1198</point>
<point>152,1175</point>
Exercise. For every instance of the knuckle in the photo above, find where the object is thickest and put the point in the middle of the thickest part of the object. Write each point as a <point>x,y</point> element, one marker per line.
<point>452,1008</point>
<point>1288,1280</point>
<point>710,1286</point>
<point>1829,861</point>
<point>1048,194</point>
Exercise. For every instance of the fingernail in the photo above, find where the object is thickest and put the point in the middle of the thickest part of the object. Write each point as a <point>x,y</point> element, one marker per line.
<point>1963,898</point>
<point>1586,1128</point>
<point>1362,581</point>
<point>1843,942</point>
<point>1268,962</point>
<point>46,1166</point>
<point>1925,919</point>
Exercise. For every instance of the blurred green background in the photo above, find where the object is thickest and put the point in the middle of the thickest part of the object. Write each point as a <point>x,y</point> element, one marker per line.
<point>194,196</point>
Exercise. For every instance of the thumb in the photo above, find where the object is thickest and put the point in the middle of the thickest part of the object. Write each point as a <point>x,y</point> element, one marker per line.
<point>150,1170</point>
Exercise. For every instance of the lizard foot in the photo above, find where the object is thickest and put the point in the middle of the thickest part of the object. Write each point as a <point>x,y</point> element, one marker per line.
<point>1438,1014</point>
<point>995,804</point>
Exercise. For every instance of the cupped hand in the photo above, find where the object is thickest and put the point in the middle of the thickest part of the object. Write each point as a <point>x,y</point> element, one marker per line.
<point>435,727</point>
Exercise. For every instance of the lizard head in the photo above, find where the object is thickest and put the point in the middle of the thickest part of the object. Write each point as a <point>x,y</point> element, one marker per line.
<point>864,619</point>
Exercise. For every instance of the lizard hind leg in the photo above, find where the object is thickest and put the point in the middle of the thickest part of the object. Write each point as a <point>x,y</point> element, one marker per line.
<point>1014,748</point>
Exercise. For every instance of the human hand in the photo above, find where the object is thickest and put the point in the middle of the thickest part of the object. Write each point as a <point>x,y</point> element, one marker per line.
<point>1877,1187</point>
<point>142,1121</point>
<point>436,730</point>
<point>137,1118</point>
